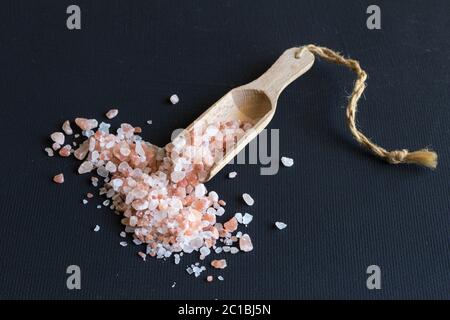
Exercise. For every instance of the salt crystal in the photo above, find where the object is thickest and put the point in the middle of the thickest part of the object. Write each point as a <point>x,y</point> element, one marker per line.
<point>97,228</point>
<point>77,135</point>
<point>123,234</point>
<point>220,278</point>
<point>111,167</point>
<point>112,113</point>
<point>142,255</point>
<point>219,264</point>
<point>59,178</point>
<point>204,251</point>
<point>58,137</point>
<point>56,146</point>
<point>99,207</point>
<point>106,203</point>
<point>234,250</point>
<point>232,175</point>
<point>85,201</point>
<point>287,162</point>
<point>200,190</point>
<point>149,121</point>
<point>209,278</point>
<point>177,258</point>
<point>85,167</point>
<point>65,151</point>
<point>220,212</point>
<point>245,243</point>
<point>86,124</point>
<point>238,217</point>
<point>213,196</point>
<point>49,152</point>
<point>247,218</point>
<point>248,199</point>
<point>218,250</point>
<point>280,225</point>
<point>137,242</point>
<point>123,243</point>
<point>66,128</point>
<point>102,172</point>
<point>174,99</point>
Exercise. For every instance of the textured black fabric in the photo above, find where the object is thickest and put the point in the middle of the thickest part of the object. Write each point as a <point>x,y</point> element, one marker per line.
<point>344,208</point>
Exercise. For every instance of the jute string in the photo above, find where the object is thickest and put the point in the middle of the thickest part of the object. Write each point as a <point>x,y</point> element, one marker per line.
<point>422,157</point>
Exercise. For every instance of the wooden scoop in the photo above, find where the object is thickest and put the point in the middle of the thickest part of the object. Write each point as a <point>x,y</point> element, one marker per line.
<point>256,101</point>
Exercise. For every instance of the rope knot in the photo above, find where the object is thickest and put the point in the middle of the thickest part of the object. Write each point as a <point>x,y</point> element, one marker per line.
<point>397,156</point>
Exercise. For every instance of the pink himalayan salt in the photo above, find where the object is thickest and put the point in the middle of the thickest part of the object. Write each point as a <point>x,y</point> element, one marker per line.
<point>67,128</point>
<point>86,124</point>
<point>231,225</point>
<point>245,243</point>
<point>209,278</point>
<point>59,178</point>
<point>112,113</point>
<point>169,215</point>
<point>219,264</point>
<point>65,151</point>
<point>58,137</point>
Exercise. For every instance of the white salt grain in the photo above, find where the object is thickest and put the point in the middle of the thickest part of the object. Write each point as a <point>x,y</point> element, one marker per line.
<point>280,225</point>
<point>49,152</point>
<point>97,228</point>
<point>174,284</point>
<point>149,121</point>
<point>137,242</point>
<point>232,175</point>
<point>247,218</point>
<point>238,217</point>
<point>287,162</point>
<point>220,211</point>
<point>248,199</point>
<point>220,278</point>
<point>174,99</point>
<point>85,201</point>
<point>66,128</point>
<point>58,137</point>
<point>112,113</point>
<point>177,258</point>
<point>123,234</point>
<point>234,250</point>
<point>99,207</point>
<point>123,244</point>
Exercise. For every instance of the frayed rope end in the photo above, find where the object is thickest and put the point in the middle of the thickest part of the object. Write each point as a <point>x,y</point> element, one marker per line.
<point>422,157</point>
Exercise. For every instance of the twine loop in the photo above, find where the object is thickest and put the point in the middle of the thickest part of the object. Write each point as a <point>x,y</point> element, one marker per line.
<point>422,157</point>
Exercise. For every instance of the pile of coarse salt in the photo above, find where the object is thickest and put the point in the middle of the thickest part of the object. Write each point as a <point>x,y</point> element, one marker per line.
<point>160,191</point>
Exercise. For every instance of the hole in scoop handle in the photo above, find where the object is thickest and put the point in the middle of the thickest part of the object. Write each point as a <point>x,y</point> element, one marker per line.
<point>286,69</point>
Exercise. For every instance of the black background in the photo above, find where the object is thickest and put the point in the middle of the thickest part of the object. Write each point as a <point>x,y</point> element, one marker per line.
<point>344,208</point>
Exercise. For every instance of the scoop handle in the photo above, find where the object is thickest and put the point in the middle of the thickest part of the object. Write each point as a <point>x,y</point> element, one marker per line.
<point>289,66</point>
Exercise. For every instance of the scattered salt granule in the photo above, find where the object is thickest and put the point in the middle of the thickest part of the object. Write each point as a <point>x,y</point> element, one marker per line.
<point>85,167</point>
<point>232,175</point>
<point>112,113</point>
<point>220,278</point>
<point>86,124</point>
<point>149,121</point>
<point>99,206</point>
<point>67,128</point>
<point>97,228</point>
<point>174,99</point>
<point>248,199</point>
<point>76,135</point>
<point>234,250</point>
<point>287,162</point>
<point>65,151</point>
<point>177,258</point>
<point>123,234</point>
<point>219,264</point>
<point>280,225</point>
<point>174,284</point>
<point>209,278</point>
<point>247,218</point>
<point>85,201</point>
<point>59,178</point>
<point>89,195</point>
<point>238,217</point>
<point>49,152</point>
<point>231,225</point>
<point>56,146</point>
<point>142,255</point>
<point>123,243</point>
<point>57,137</point>
<point>245,243</point>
